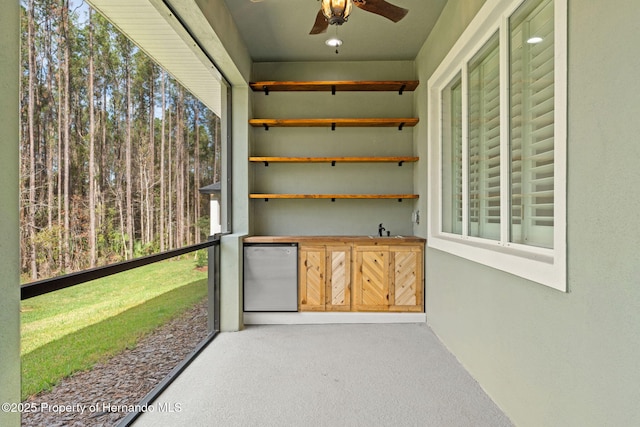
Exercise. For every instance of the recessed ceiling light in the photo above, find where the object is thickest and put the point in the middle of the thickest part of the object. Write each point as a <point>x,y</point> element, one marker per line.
<point>534,40</point>
<point>333,42</point>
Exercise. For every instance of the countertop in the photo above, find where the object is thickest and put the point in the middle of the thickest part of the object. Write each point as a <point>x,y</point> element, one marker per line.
<point>372,240</point>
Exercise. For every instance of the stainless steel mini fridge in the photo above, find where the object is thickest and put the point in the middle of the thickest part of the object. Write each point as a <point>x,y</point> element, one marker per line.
<point>271,277</point>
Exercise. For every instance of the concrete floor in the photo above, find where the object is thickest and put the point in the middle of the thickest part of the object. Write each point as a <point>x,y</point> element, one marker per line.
<point>325,375</point>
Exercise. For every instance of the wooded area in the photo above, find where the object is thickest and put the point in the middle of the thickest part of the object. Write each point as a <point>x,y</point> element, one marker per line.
<point>113,149</point>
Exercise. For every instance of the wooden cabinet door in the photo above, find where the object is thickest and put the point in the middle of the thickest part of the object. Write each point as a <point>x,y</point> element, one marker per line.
<point>334,277</point>
<point>312,284</point>
<point>371,279</point>
<point>406,291</point>
<point>338,291</point>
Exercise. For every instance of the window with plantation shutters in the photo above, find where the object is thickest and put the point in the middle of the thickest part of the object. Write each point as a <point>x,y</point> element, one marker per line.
<point>484,142</point>
<point>531,74</point>
<point>452,157</point>
<point>497,141</point>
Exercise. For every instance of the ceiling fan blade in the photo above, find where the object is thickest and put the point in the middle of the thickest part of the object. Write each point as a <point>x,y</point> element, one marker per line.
<point>382,8</point>
<point>321,24</point>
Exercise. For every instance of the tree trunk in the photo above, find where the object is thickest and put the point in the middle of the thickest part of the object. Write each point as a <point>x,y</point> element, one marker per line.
<point>180,169</point>
<point>31,215</point>
<point>149,188</point>
<point>217,149</point>
<point>196,174</point>
<point>50,121</point>
<point>142,181</point>
<point>50,133</point>
<point>92,155</point>
<point>162,183</point>
<point>170,185</point>
<point>59,151</point>
<point>104,183</point>
<point>128,156</point>
<point>66,137</point>
<point>187,185</point>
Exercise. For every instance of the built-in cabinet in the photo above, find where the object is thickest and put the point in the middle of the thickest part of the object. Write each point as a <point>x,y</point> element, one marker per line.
<point>360,277</point>
<point>344,273</point>
<point>352,273</point>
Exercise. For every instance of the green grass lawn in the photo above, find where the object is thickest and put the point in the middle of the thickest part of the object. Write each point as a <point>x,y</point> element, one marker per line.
<point>72,329</point>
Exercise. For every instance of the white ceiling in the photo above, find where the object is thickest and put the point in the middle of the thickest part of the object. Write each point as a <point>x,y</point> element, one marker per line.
<point>278,30</point>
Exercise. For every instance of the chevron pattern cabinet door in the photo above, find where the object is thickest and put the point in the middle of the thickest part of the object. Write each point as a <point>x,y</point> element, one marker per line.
<point>407,288</point>
<point>337,276</point>
<point>312,268</point>
<point>371,292</point>
<point>338,292</point>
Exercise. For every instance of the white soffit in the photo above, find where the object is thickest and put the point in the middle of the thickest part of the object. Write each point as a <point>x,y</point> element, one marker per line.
<point>155,30</point>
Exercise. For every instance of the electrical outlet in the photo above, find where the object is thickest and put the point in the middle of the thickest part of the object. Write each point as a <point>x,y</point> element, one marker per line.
<point>415,217</point>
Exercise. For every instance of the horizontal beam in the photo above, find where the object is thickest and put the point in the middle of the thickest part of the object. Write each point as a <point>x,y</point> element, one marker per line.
<point>56,283</point>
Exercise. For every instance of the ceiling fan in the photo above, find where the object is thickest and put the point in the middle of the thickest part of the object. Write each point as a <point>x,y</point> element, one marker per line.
<point>337,12</point>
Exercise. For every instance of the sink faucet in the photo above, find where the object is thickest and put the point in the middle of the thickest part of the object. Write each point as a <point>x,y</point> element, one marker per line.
<point>380,230</point>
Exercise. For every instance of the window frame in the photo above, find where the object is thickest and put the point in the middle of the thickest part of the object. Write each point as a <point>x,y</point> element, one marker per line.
<point>541,265</point>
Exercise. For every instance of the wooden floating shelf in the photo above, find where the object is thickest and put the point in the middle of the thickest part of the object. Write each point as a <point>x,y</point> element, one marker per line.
<point>333,123</point>
<point>333,197</point>
<point>333,160</point>
<point>399,86</point>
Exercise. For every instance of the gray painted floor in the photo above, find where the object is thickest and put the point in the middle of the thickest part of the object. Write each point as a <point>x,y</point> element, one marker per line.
<point>325,375</point>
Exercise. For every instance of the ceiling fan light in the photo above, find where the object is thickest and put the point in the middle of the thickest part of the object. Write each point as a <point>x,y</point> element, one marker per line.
<point>337,11</point>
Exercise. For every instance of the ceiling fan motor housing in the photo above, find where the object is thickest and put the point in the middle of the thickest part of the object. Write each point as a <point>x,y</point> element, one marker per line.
<point>336,11</point>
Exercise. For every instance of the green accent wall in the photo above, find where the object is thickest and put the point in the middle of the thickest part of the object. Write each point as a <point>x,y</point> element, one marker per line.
<point>549,358</point>
<point>9,223</point>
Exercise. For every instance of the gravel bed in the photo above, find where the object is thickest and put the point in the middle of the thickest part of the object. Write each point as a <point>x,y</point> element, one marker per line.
<point>110,388</point>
